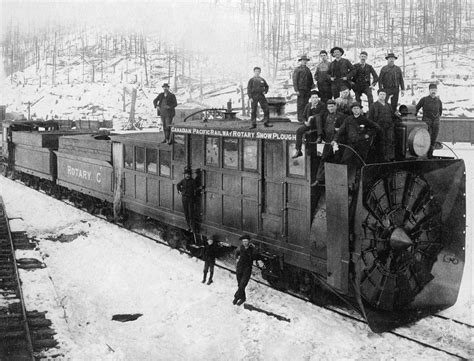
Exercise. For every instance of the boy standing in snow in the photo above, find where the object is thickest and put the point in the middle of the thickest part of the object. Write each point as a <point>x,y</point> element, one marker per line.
<point>209,257</point>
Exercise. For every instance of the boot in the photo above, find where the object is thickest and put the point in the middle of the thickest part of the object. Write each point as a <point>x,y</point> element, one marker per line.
<point>204,278</point>
<point>210,281</point>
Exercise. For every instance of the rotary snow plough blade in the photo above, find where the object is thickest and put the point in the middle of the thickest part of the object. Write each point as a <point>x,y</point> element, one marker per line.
<point>409,240</point>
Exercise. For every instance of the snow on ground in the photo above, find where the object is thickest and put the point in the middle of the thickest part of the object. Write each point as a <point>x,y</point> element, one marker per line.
<point>99,270</point>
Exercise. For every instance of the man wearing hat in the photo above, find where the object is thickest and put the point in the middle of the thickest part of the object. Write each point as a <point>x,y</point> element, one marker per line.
<point>341,71</point>
<point>432,110</point>
<point>357,132</point>
<point>322,77</point>
<point>165,103</point>
<point>391,79</point>
<point>362,83</point>
<point>328,124</point>
<point>313,110</point>
<point>381,113</point>
<point>188,188</point>
<point>344,101</point>
<point>257,87</point>
<point>302,83</point>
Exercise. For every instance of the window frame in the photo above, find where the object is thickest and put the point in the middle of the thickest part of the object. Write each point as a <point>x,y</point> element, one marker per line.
<point>243,155</point>
<point>237,161</point>
<point>147,150</point>
<point>289,159</point>
<point>132,147</point>
<point>160,152</point>
<point>218,164</point>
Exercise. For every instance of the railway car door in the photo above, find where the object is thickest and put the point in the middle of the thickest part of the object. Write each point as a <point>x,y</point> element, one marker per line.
<point>272,191</point>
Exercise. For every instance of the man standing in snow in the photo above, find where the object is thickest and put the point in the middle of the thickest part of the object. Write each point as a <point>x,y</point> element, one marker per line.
<point>257,87</point>
<point>322,77</point>
<point>245,256</point>
<point>362,83</point>
<point>209,257</point>
<point>391,79</point>
<point>302,83</point>
<point>165,103</point>
<point>432,110</point>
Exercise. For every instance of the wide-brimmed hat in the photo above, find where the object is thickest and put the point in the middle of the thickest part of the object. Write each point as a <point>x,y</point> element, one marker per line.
<point>315,92</point>
<point>303,57</point>
<point>356,104</point>
<point>337,48</point>
<point>165,85</point>
<point>391,55</point>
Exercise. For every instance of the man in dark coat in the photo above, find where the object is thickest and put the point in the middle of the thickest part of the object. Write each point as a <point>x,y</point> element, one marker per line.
<point>165,103</point>
<point>381,113</point>
<point>302,83</point>
<point>341,71</point>
<point>313,110</point>
<point>357,132</point>
<point>257,87</point>
<point>391,79</point>
<point>362,83</point>
<point>209,257</point>
<point>246,254</point>
<point>432,110</point>
<point>328,124</point>
<point>188,188</point>
<point>322,77</point>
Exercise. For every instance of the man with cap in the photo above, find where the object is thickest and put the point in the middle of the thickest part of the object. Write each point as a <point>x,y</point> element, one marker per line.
<point>246,254</point>
<point>432,110</point>
<point>356,132</point>
<point>188,188</point>
<point>209,257</point>
<point>362,83</point>
<point>344,101</point>
<point>341,71</point>
<point>328,124</point>
<point>165,103</point>
<point>313,110</point>
<point>257,87</point>
<point>302,83</point>
<point>391,79</point>
<point>381,113</point>
<point>322,77</point>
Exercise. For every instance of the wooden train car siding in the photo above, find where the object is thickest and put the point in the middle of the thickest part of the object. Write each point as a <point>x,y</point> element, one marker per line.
<point>40,162</point>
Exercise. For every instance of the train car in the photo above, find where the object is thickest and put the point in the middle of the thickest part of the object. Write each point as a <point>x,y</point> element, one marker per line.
<point>84,167</point>
<point>383,242</point>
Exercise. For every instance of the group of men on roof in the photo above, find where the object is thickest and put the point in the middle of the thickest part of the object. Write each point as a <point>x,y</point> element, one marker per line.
<point>332,113</point>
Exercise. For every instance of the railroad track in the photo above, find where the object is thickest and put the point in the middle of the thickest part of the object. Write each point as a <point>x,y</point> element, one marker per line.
<point>433,337</point>
<point>22,334</point>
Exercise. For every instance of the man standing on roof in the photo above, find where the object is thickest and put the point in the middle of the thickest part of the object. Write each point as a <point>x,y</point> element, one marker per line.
<point>165,103</point>
<point>432,110</point>
<point>322,77</point>
<point>257,87</point>
<point>362,83</point>
<point>391,79</point>
<point>341,71</point>
<point>302,83</point>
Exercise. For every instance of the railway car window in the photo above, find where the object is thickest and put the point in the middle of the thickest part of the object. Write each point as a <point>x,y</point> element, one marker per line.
<point>212,151</point>
<point>179,147</point>
<point>296,167</point>
<point>128,157</point>
<point>151,160</point>
<point>140,159</point>
<point>165,163</point>
<point>231,153</point>
<point>250,154</point>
